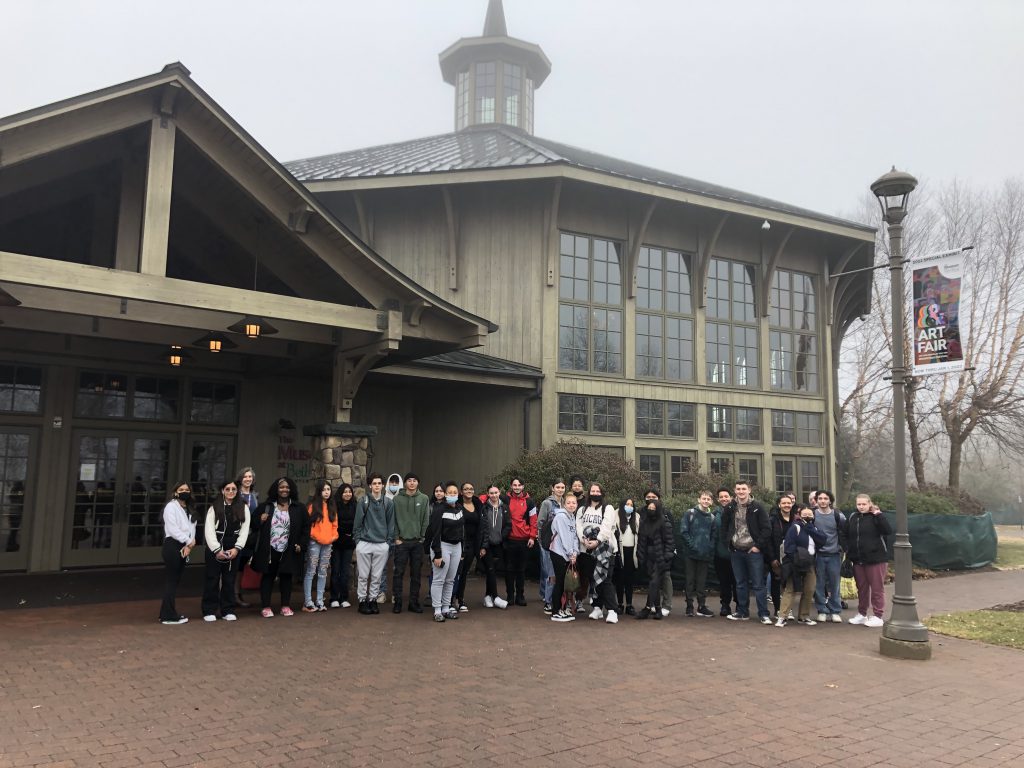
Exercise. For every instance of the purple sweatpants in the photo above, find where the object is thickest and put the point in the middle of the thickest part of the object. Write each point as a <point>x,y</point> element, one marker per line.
<point>870,584</point>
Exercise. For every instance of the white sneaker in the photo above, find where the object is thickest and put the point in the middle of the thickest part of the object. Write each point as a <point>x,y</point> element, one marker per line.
<point>209,617</point>
<point>835,618</point>
<point>382,598</point>
<point>179,620</point>
<point>597,614</point>
<point>335,604</point>
<point>808,621</point>
<point>488,602</point>
<point>873,621</point>
<point>766,620</point>
<point>230,617</point>
<point>665,612</point>
<point>780,622</point>
<point>611,618</point>
<point>500,602</point>
<point>346,604</point>
<point>822,618</point>
<point>860,618</point>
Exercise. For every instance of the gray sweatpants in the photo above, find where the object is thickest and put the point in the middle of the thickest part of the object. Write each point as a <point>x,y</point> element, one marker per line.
<point>370,562</point>
<point>442,580</point>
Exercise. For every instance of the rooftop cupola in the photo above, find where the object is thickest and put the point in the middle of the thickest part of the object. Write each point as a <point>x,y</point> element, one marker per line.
<point>494,75</point>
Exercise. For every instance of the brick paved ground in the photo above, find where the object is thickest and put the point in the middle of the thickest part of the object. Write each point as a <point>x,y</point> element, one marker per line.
<point>105,685</point>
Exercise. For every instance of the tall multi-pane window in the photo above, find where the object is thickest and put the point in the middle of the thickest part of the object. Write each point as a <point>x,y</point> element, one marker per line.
<point>21,388</point>
<point>528,107</point>
<point>791,427</point>
<point>665,419</point>
<point>728,423</point>
<point>746,467</point>
<point>486,91</point>
<point>664,331</point>
<point>590,308</point>
<point>513,86</point>
<point>462,100</point>
<point>792,341</point>
<point>731,343</point>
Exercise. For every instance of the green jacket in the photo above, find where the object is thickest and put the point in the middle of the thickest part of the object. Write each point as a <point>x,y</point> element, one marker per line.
<point>412,515</point>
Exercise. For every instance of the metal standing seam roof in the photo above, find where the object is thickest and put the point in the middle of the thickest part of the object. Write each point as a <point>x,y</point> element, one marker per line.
<point>476,362</point>
<point>498,146</point>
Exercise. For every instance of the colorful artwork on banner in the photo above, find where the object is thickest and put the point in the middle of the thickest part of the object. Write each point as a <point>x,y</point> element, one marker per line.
<point>935,313</point>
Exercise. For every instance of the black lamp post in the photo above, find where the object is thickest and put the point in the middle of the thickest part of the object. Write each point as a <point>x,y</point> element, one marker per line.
<point>903,635</point>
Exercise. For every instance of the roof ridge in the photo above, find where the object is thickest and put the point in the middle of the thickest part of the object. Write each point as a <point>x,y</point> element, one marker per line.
<point>374,147</point>
<point>531,142</point>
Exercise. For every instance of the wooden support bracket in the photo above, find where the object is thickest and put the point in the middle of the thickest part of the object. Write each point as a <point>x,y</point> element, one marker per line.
<point>700,274</point>
<point>551,231</point>
<point>768,269</point>
<point>832,283</point>
<point>636,242</point>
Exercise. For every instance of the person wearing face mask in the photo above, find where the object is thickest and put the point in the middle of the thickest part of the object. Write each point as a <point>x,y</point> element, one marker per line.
<point>801,541</point>
<point>179,539</point>
<point>392,488</point>
<point>283,526</point>
<point>665,593</point>
<point>655,549</point>
<point>626,568</point>
<point>595,529</point>
<point>495,526</point>
<point>521,539</point>
<point>444,540</point>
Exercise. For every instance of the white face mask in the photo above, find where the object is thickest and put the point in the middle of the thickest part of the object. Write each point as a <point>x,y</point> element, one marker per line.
<point>451,499</point>
<point>628,509</point>
<point>393,488</point>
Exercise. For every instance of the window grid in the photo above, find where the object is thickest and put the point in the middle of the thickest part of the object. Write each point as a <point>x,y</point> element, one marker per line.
<point>650,417</point>
<point>810,476</point>
<point>590,328</point>
<point>513,86</point>
<point>21,389</point>
<point>649,465</point>
<point>732,355</point>
<point>486,91</point>
<point>573,413</point>
<point>664,342</point>
<point>462,100</point>
<point>661,418</point>
<point>793,347</point>
<point>528,106</point>
<point>214,403</point>
<point>728,423</point>
<point>784,478</point>
<point>580,413</point>
<point>796,428</point>
<point>744,466</point>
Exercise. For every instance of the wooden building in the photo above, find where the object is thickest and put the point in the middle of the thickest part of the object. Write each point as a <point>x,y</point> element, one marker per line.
<point>434,305</point>
<point>671,320</point>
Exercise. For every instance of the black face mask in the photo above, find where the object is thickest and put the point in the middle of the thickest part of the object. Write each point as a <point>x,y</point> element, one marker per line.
<point>185,498</point>
<point>652,513</point>
<point>598,498</point>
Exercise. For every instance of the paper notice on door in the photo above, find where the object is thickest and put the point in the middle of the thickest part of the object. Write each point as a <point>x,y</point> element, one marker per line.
<point>87,472</point>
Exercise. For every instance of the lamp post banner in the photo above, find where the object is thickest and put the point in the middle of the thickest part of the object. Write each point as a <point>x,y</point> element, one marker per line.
<point>935,312</point>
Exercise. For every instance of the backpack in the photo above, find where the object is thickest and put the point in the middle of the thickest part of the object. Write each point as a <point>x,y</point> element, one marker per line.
<point>545,529</point>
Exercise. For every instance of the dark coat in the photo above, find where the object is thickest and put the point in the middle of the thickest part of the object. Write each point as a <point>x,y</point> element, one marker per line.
<point>757,524</point>
<point>699,531</point>
<point>298,533</point>
<point>656,542</point>
<point>779,526</point>
<point>866,538</point>
<point>485,524</point>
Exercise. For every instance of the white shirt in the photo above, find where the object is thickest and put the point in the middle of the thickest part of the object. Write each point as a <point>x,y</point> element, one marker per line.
<point>177,524</point>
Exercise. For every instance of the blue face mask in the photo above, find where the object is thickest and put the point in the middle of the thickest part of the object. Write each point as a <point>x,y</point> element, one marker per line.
<point>451,499</point>
<point>393,488</point>
<point>629,509</point>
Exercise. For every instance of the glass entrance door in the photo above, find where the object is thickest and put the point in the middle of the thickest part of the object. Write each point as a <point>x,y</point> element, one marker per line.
<point>16,463</point>
<point>120,488</point>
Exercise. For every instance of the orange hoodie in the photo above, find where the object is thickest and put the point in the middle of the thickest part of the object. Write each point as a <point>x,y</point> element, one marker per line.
<point>325,531</point>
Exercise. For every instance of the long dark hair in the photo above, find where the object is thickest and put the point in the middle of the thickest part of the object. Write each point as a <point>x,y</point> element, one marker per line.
<point>317,503</point>
<point>221,508</point>
<point>340,503</point>
<point>174,495</point>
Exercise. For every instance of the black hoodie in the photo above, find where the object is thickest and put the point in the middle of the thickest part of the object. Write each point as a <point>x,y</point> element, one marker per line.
<point>655,542</point>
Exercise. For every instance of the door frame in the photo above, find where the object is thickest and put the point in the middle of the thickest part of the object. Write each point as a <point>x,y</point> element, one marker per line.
<point>18,561</point>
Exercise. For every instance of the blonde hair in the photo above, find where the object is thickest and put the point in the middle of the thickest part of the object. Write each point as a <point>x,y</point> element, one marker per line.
<point>864,496</point>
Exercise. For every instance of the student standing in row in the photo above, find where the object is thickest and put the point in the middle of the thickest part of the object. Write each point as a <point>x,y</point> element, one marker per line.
<point>471,552</point>
<point>699,532</point>
<point>723,561</point>
<point>867,548</point>
<point>595,528</point>
<point>799,545</point>
<point>656,546</point>
<point>374,532</point>
<point>745,528</point>
<point>829,558</point>
<point>278,553</point>
<point>179,539</point>
<point>412,515</point>
<point>521,539</point>
<point>323,532</point>
<point>226,528</point>
<point>564,549</point>
<point>341,553</point>
<point>445,538</point>
<point>548,507</point>
<point>245,479</point>
<point>628,564</point>
<point>496,524</point>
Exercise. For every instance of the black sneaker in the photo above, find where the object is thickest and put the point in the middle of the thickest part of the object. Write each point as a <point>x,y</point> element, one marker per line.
<point>647,613</point>
<point>725,611</point>
<point>704,612</point>
<point>415,608</point>
<point>374,607</point>
<point>364,607</point>
<point>547,608</point>
<point>397,608</point>
<point>630,610</point>
<point>657,615</point>
<point>521,601</point>
<point>689,611</point>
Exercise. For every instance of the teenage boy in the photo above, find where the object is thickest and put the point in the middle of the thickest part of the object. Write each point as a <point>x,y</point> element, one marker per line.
<point>412,515</point>
<point>746,530</point>
<point>723,558</point>
<point>700,533</point>
<point>374,533</point>
<point>828,559</point>
<point>521,539</point>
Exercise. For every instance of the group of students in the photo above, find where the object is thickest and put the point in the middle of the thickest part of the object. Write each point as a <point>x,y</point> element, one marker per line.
<point>588,548</point>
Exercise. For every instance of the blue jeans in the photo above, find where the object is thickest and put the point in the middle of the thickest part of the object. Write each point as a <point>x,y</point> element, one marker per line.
<point>547,576</point>
<point>318,557</point>
<point>826,568</point>
<point>749,570</point>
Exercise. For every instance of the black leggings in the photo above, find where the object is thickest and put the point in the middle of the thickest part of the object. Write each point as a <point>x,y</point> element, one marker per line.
<point>560,566</point>
<point>219,589</point>
<point>267,582</point>
<point>174,566</point>
<point>625,577</point>
<point>726,580</point>
<point>469,557</point>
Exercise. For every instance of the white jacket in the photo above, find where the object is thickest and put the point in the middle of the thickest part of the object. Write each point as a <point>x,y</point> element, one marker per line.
<point>603,519</point>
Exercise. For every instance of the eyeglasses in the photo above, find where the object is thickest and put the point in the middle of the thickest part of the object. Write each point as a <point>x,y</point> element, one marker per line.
<point>230,490</point>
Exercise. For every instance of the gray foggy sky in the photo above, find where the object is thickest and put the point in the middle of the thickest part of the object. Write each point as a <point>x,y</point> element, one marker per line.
<point>805,102</point>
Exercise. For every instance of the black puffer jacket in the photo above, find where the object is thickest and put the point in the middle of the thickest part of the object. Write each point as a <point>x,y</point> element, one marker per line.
<point>656,542</point>
<point>866,538</point>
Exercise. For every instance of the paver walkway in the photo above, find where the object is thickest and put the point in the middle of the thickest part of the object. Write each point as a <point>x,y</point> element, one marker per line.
<point>105,685</point>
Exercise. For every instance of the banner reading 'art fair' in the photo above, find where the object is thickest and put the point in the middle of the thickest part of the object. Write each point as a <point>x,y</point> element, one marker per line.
<point>935,313</point>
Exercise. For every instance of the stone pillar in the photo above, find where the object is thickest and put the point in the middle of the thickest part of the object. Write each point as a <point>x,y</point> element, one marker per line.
<point>341,453</point>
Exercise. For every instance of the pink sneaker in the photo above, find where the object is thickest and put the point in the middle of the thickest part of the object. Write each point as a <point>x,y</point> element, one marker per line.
<point>286,611</point>
<point>267,613</point>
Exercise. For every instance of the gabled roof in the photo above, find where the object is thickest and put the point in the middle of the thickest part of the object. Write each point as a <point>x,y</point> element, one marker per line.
<point>476,362</point>
<point>493,147</point>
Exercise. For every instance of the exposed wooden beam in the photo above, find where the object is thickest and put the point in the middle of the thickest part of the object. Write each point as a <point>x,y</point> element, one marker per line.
<point>298,219</point>
<point>451,218</point>
<point>636,242</point>
<point>768,269</point>
<point>156,209</point>
<point>551,231</point>
<point>699,289</point>
<point>416,311</point>
<point>33,270</point>
<point>129,216</point>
